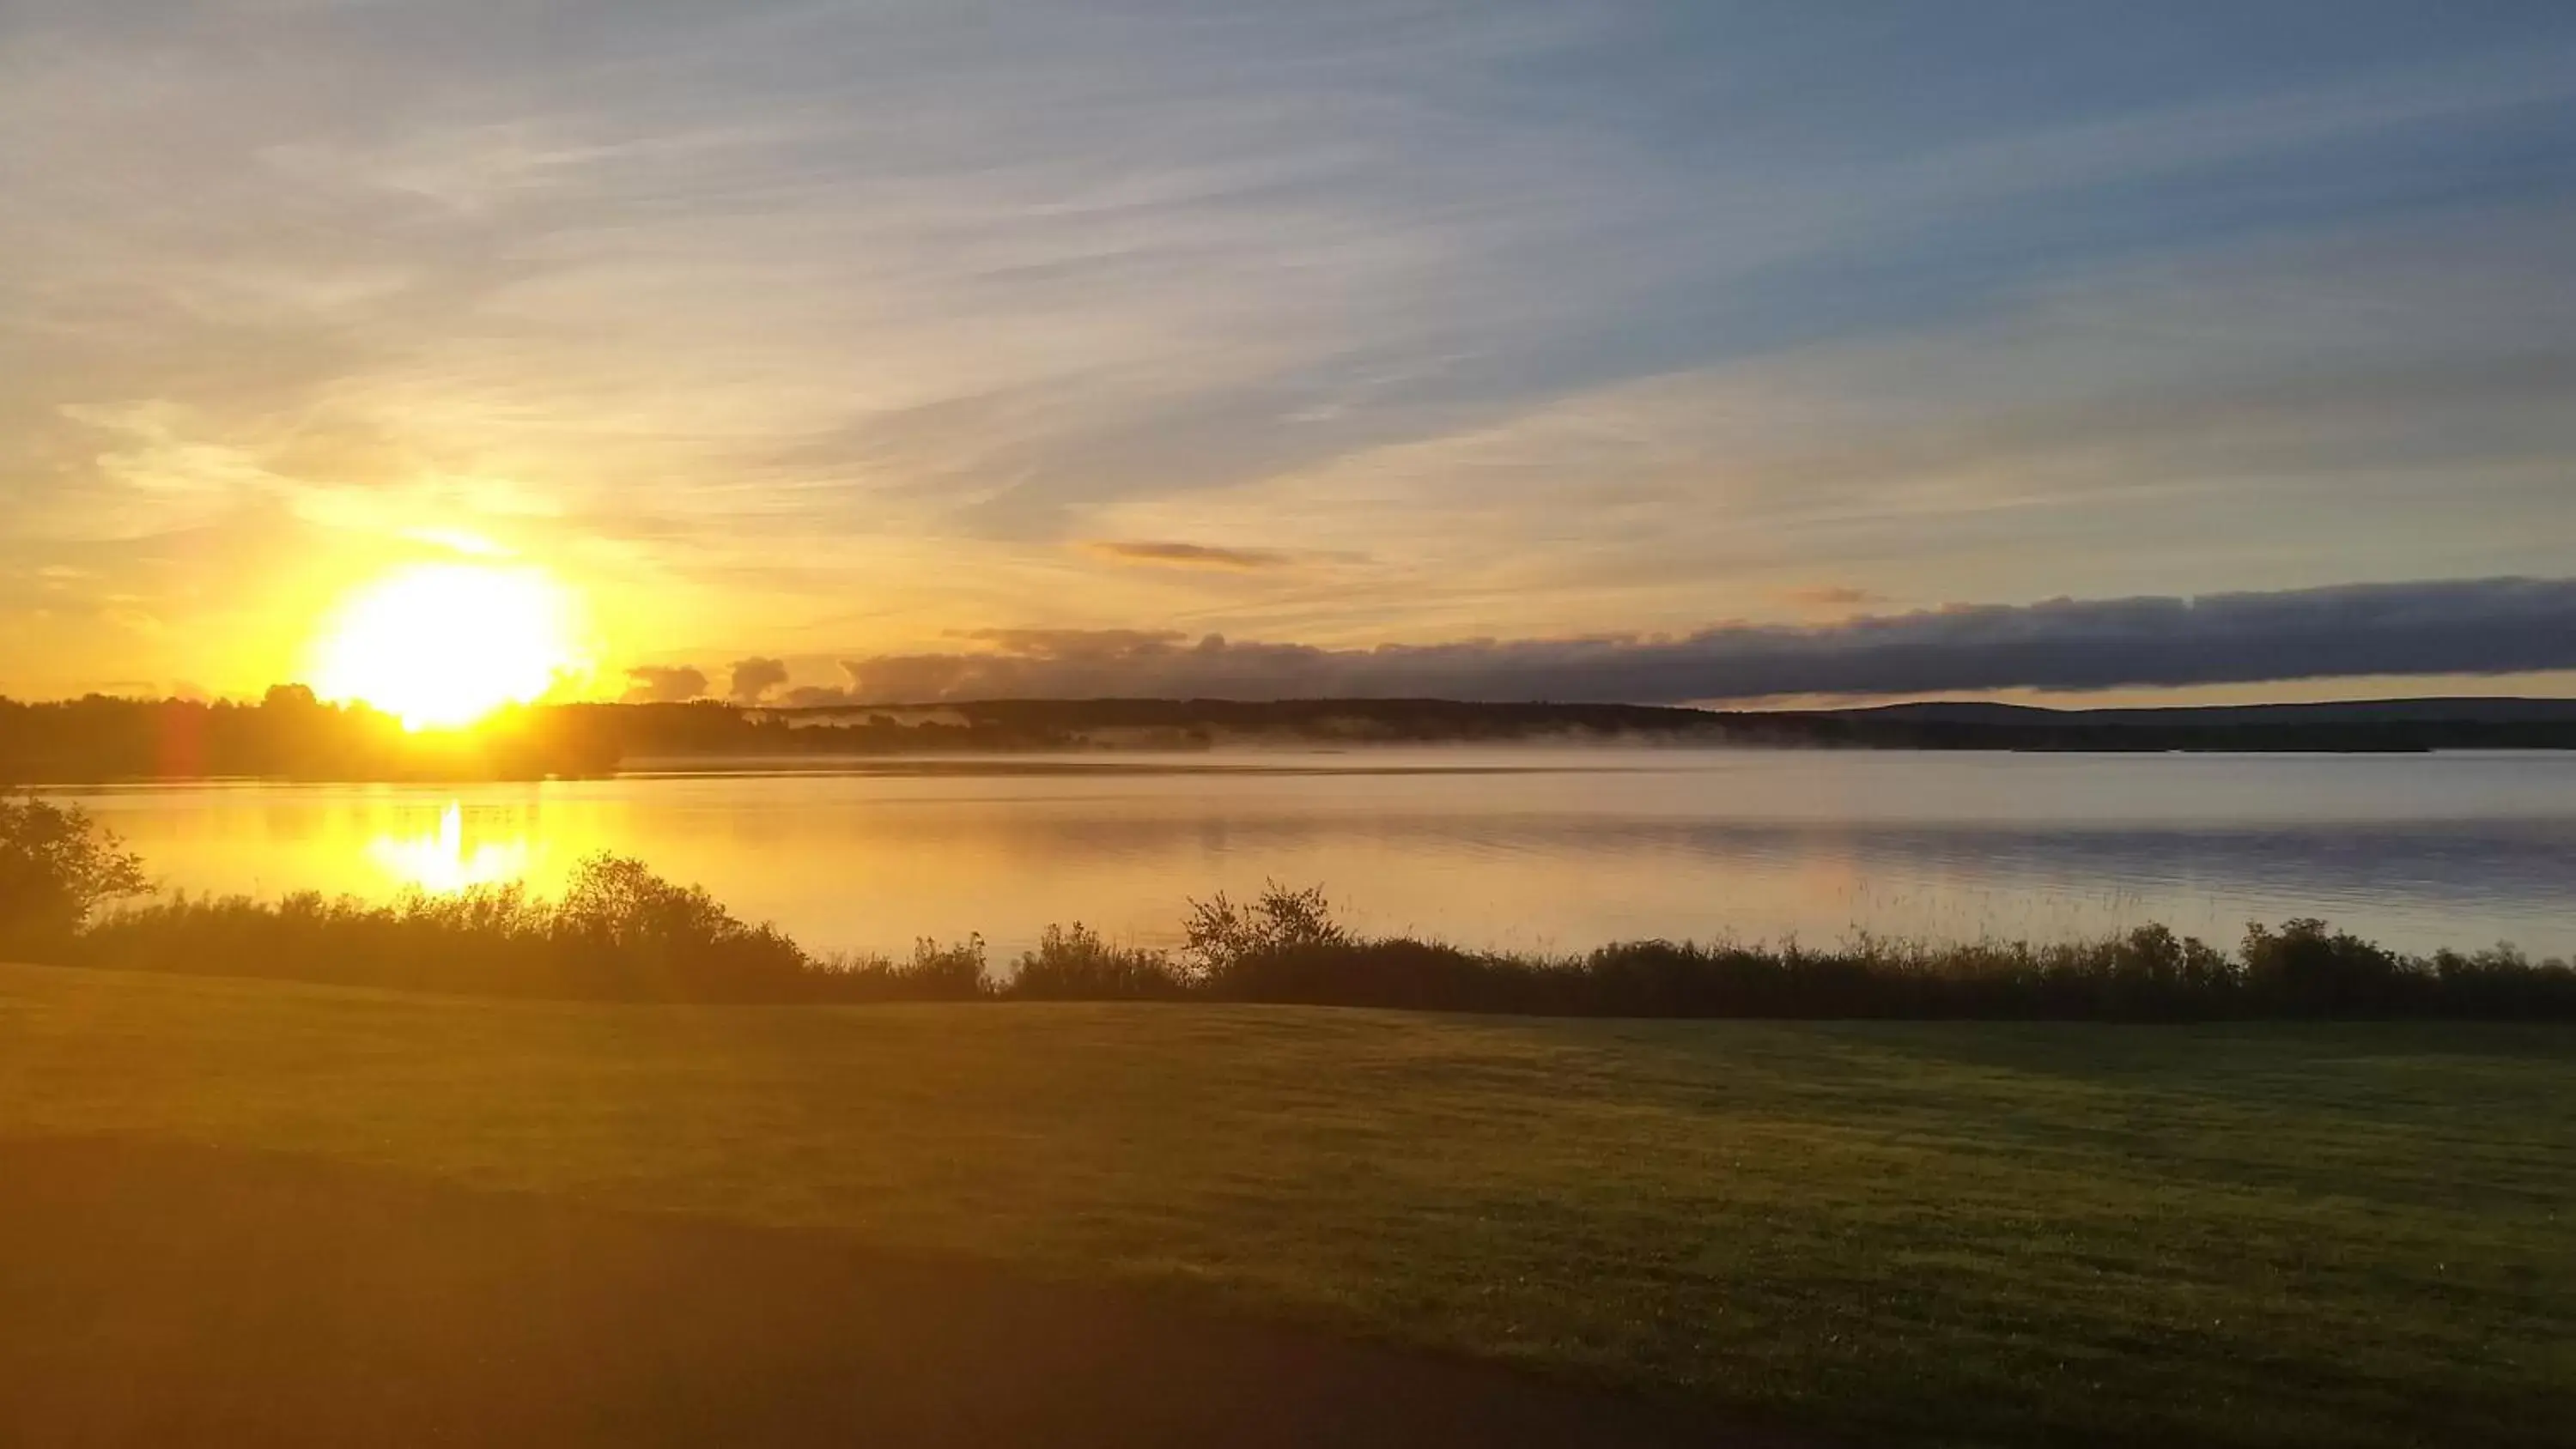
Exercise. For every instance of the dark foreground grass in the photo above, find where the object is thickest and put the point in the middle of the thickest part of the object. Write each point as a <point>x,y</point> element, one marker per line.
<point>1930,1233</point>
<point>298,1302</point>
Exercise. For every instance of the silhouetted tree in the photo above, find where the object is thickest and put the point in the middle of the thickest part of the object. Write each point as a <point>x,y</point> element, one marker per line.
<point>57,867</point>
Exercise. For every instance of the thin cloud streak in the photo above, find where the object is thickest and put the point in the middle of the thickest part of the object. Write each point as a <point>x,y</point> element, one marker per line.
<point>1832,596</point>
<point>2468,626</point>
<point>1187,555</point>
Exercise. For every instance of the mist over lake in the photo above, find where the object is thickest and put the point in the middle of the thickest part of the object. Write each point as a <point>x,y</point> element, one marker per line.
<point>1531,849</point>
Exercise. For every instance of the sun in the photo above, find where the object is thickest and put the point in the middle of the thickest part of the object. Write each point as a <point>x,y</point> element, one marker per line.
<point>443,645</point>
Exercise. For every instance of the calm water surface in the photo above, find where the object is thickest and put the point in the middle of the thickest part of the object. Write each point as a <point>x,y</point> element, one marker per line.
<point>1535,849</point>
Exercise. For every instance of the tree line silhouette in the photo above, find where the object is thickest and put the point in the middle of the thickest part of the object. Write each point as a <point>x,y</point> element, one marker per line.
<point>289,734</point>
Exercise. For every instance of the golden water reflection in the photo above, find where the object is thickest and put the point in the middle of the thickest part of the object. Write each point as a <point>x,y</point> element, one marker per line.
<point>444,862</point>
<point>1526,850</point>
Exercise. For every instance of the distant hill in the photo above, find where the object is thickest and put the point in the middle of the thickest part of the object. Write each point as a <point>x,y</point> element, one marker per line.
<point>2457,710</point>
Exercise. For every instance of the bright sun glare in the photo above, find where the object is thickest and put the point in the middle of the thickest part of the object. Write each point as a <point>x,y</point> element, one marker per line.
<point>443,645</point>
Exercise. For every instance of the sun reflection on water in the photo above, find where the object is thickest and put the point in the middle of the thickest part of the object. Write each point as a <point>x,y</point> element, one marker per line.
<point>2416,851</point>
<point>442,862</point>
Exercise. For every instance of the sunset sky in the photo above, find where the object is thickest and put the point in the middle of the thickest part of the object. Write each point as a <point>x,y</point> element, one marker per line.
<point>1019,348</point>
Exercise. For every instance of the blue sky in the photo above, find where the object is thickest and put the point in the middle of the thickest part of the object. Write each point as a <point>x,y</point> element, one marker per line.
<point>859,331</point>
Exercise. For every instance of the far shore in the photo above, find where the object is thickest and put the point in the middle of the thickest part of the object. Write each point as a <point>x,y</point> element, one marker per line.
<point>291,734</point>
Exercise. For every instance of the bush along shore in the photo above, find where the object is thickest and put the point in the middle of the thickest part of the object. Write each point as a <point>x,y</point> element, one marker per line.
<point>620,932</point>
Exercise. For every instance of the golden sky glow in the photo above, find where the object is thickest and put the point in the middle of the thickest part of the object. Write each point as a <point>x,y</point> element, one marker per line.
<point>443,645</point>
<point>842,336</point>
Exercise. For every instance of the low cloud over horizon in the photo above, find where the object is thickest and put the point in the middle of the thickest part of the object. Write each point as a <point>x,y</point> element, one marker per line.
<point>2490,626</point>
<point>664,684</point>
<point>753,679</point>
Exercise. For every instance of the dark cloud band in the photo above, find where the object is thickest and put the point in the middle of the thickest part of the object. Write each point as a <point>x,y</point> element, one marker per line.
<point>2471,626</point>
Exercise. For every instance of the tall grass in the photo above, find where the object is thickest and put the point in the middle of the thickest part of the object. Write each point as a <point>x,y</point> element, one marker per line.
<point>622,933</point>
<point>618,933</point>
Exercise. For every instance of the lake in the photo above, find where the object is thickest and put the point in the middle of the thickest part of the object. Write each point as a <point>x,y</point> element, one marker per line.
<point>1543,849</point>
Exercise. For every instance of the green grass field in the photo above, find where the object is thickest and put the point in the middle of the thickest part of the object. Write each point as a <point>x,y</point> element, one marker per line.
<point>1935,1233</point>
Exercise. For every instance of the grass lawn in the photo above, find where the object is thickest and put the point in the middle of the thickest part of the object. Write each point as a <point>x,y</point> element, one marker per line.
<point>1937,1233</point>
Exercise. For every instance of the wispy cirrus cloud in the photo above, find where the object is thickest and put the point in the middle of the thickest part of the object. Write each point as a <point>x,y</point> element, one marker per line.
<point>1527,317</point>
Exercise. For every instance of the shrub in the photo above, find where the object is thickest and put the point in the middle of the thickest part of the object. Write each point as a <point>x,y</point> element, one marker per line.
<point>1220,935</point>
<point>1075,964</point>
<point>933,973</point>
<point>620,932</point>
<point>949,973</point>
<point>1333,970</point>
<point>2309,969</point>
<point>622,919</point>
<point>1667,978</point>
<point>57,867</point>
<point>2501,981</point>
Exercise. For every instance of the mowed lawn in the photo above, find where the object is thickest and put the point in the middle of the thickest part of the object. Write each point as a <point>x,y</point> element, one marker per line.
<point>1932,1233</point>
